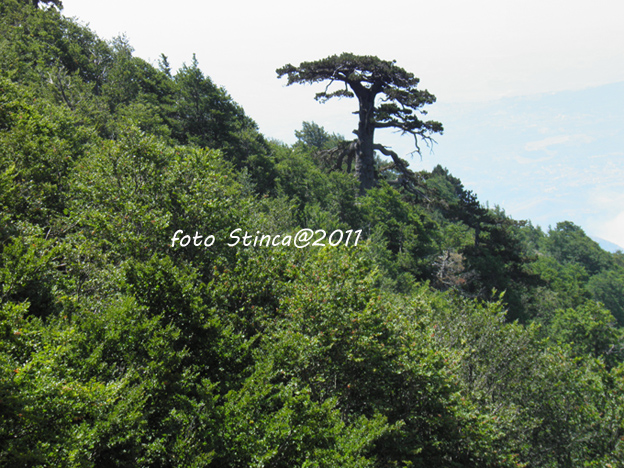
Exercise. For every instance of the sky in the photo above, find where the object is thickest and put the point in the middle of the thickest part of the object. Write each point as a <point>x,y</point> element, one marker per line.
<point>527,91</point>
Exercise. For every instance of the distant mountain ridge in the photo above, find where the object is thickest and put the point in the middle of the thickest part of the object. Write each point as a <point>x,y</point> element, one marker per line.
<point>606,245</point>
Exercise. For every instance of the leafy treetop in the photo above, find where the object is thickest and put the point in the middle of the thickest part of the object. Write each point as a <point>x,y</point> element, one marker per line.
<point>57,3</point>
<point>367,77</point>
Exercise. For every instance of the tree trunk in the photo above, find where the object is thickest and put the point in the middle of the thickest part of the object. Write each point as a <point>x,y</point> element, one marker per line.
<point>364,156</point>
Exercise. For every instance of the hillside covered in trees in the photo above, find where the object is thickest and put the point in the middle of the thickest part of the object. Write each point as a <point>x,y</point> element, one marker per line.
<point>442,333</point>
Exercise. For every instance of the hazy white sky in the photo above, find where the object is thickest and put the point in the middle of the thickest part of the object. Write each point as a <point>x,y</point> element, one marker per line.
<point>463,52</point>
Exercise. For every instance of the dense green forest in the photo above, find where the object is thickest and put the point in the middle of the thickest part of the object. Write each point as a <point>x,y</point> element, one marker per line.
<point>448,335</point>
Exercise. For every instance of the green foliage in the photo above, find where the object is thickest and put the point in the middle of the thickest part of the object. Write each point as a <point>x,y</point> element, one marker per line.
<point>24,274</point>
<point>569,244</point>
<point>305,183</point>
<point>313,136</point>
<point>38,145</point>
<point>545,408</point>
<point>576,269</point>
<point>121,347</point>
<point>275,422</point>
<point>34,42</point>
<point>139,192</point>
<point>608,287</point>
<point>568,280</point>
<point>206,116</point>
<point>405,231</point>
<point>590,330</point>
